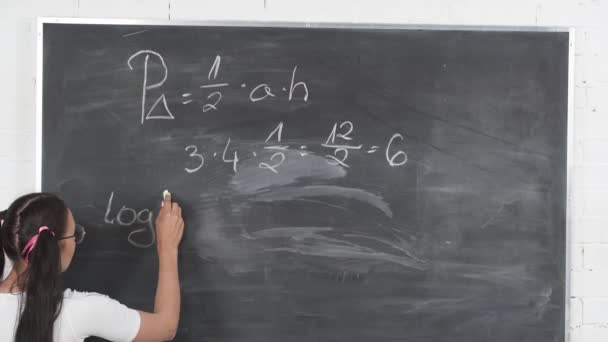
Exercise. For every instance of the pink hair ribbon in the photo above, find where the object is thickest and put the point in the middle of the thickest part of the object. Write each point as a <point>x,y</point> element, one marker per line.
<point>32,243</point>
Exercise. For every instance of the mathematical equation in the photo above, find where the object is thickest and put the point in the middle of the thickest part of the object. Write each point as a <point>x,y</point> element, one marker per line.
<point>212,91</point>
<point>339,144</point>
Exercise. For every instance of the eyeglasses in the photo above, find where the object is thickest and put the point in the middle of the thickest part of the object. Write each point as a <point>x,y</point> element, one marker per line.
<point>78,236</point>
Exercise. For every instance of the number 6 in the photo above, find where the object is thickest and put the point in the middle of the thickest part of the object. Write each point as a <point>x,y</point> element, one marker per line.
<point>391,159</point>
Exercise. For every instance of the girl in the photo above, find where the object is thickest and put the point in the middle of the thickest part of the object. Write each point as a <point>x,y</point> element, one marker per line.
<point>38,236</point>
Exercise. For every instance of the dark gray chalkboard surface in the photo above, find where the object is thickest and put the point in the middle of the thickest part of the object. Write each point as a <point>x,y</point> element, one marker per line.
<point>339,184</point>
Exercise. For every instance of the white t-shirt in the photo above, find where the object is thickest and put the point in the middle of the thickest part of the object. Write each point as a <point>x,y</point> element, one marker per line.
<point>82,315</point>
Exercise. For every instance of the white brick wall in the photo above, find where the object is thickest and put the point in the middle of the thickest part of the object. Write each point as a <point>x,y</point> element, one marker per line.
<point>589,245</point>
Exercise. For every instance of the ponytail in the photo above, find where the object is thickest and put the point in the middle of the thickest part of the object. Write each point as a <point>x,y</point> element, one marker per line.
<point>43,291</point>
<point>41,282</point>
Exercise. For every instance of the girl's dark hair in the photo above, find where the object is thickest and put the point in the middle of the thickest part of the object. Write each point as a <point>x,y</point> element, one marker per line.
<point>41,281</point>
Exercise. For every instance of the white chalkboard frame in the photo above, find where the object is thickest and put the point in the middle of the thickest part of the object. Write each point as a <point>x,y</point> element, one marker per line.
<point>338,25</point>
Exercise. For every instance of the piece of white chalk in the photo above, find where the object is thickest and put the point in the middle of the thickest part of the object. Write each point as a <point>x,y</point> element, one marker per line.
<point>166,193</point>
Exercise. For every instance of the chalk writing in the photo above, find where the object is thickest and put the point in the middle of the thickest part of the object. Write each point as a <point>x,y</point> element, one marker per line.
<point>127,217</point>
<point>146,87</point>
<point>212,92</point>
<point>339,141</point>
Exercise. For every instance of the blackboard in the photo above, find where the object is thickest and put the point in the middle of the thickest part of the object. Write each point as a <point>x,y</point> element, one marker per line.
<point>338,184</point>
